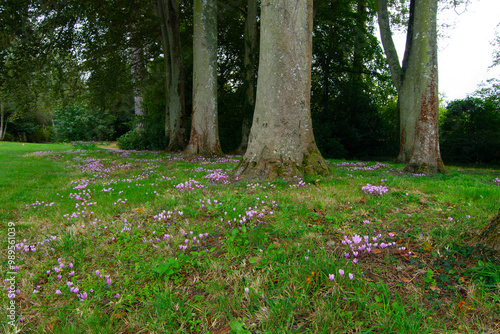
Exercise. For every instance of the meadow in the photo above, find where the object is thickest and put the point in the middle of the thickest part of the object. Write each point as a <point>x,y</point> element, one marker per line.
<point>112,241</point>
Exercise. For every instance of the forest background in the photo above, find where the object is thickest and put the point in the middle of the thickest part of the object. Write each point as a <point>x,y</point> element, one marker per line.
<point>96,71</point>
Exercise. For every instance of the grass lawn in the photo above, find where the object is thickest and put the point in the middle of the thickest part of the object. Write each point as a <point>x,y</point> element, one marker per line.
<point>111,241</point>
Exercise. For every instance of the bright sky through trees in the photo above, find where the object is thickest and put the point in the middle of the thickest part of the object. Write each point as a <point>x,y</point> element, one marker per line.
<point>465,50</point>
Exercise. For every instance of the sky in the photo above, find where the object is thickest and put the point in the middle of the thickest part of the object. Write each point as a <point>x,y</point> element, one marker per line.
<point>465,51</point>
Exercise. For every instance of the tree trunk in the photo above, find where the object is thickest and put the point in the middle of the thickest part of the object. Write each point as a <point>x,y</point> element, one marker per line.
<point>490,237</point>
<point>204,121</point>
<point>250,64</point>
<point>138,73</point>
<point>417,85</point>
<point>359,43</point>
<point>178,119</point>
<point>161,12</point>
<point>3,126</point>
<point>281,139</point>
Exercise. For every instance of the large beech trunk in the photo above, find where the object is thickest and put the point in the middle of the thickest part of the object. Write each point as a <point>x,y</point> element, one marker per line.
<point>138,69</point>
<point>204,122</point>
<point>249,63</point>
<point>417,84</point>
<point>490,237</point>
<point>178,136</point>
<point>161,11</point>
<point>175,118</point>
<point>281,140</point>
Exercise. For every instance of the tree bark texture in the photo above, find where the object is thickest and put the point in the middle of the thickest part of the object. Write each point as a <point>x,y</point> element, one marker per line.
<point>138,69</point>
<point>250,65</point>
<point>417,84</point>
<point>281,140</point>
<point>204,120</point>
<point>490,236</point>
<point>178,136</point>
<point>161,12</point>
<point>176,119</point>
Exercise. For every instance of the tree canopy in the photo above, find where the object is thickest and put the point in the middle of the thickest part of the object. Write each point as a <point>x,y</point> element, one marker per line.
<point>74,65</point>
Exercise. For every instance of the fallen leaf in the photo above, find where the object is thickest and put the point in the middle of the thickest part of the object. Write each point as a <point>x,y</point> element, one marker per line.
<point>426,246</point>
<point>436,289</point>
<point>53,325</point>
<point>139,210</point>
<point>462,306</point>
<point>118,315</point>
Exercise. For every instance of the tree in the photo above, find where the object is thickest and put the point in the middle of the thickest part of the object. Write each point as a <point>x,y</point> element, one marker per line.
<point>281,140</point>
<point>204,123</point>
<point>351,83</point>
<point>496,43</point>
<point>250,66</point>
<point>490,236</point>
<point>416,81</point>
<point>176,120</point>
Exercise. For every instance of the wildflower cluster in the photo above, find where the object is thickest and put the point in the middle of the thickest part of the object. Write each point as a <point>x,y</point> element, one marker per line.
<point>80,184</point>
<point>331,277</point>
<point>39,154</point>
<point>360,247</point>
<point>37,203</point>
<point>496,181</point>
<point>218,177</point>
<point>375,190</point>
<point>354,166</point>
<point>253,186</point>
<point>189,185</point>
<point>33,247</point>
<point>299,182</point>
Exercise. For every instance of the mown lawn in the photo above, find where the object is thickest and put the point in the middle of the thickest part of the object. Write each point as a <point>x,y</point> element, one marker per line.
<point>111,241</point>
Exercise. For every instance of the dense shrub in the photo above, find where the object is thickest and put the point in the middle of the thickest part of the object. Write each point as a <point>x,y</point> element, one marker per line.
<point>77,123</point>
<point>352,126</point>
<point>150,135</point>
<point>470,131</point>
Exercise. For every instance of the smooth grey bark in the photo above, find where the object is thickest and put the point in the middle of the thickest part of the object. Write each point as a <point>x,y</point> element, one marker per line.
<point>138,69</point>
<point>178,136</point>
<point>416,81</point>
<point>204,138</point>
<point>161,12</point>
<point>281,139</point>
<point>250,66</point>
<point>175,110</point>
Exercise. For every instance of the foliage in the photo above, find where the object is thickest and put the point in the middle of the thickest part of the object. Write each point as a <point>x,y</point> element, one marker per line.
<point>470,131</point>
<point>149,136</point>
<point>351,85</point>
<point>77,123</point>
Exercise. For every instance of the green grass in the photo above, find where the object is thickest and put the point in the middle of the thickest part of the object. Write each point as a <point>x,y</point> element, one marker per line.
<point>117,222</point>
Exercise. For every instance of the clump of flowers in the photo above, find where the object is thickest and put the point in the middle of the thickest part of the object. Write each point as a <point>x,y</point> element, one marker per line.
<point>331,277</point>
<point>496,181</point>
<point>360,247</point>
<point>218,177</point>
<point>375,190</point>
<point>188,185</point>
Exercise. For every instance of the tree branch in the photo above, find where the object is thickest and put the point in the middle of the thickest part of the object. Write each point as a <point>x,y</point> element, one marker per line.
<point>388,43</point>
